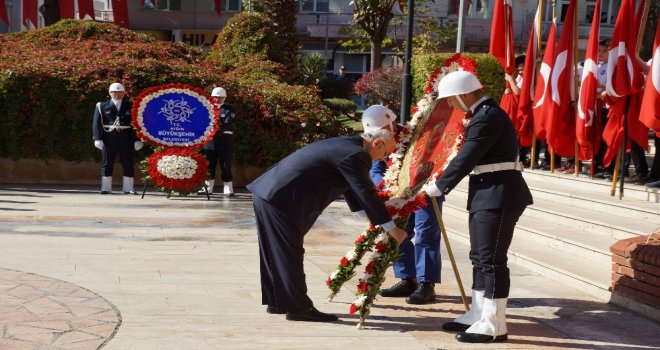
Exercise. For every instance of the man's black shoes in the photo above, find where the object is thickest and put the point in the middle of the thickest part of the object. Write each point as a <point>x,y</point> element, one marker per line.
<point>455,327</point>
<point>310,315</point>
<point>479,338</point>
<point>424,294</point>
<point>275,310</point>
<point>104,192</point>
<point>403,288</point>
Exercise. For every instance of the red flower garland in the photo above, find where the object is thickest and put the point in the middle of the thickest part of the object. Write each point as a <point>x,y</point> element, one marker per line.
<point>166,182</point>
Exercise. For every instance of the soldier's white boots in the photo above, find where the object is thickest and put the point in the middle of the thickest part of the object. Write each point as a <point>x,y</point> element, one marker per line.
<point>492,325</point>
<point>127,185</point>
<point>228,189</point>
<point>106,184</point>
<point>476,308</point>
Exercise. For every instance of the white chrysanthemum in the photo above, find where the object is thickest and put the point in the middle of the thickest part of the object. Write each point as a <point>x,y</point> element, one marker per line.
<point>360,300</point>
<point>177,167</point>
<point>350,255</point>
<point>333,275</point>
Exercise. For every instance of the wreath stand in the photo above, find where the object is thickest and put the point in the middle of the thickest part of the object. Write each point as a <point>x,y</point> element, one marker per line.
<point>438,215</point>
<point>206,191</point>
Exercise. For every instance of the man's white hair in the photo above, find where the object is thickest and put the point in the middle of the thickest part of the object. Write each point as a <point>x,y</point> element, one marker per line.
<point>383,134</point>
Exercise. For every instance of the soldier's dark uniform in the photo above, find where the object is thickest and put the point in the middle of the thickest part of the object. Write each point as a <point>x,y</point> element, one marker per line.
<point>221,148</point>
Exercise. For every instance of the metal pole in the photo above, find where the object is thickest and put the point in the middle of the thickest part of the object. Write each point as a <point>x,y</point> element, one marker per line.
<point>459,35</point>
<point>327,16</point>
<point>406,93</point>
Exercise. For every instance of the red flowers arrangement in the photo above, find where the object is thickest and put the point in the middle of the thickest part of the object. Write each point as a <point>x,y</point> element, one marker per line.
<point>177,169</point>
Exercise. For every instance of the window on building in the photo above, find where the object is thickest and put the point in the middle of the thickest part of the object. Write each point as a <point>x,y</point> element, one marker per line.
<point>168,5</point>
<point>231,5</point>
<point>313,5</point>
<point>609,9</point>
<point>479,8</point>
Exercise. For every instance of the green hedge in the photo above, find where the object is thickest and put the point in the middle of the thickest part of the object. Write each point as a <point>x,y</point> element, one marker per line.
<point>51,79</point>
<point>489,71</point>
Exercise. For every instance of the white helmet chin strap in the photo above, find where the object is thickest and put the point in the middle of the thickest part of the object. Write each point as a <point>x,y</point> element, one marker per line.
<point>460,100</point>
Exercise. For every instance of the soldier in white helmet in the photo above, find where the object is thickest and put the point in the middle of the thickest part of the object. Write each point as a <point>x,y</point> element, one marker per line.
<point>497,196</point>
<point>113,134</point>
<point>221,148</point>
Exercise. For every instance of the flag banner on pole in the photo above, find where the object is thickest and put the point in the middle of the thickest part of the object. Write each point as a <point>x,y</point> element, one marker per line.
<point>30,13</point>
<point>543,87</point>
<point>559,119</point>
<point>624,79</point>
<point>86,7</point>
<point>120,13</point>
<point>650,111</point>
<point>67,9</point>
<point>501,35</point>
<point>587,129</point>
<point>525,116</point>
<point>218,7</point>
<point>3,13</point>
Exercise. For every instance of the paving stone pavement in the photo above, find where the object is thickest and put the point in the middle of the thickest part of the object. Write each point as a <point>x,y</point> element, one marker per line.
<point>83,271</point>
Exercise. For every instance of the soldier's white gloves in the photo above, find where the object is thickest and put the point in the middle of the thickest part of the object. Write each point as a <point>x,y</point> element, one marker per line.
<point>432,190</point>
<point>98,144</point>
<point>138,145</point>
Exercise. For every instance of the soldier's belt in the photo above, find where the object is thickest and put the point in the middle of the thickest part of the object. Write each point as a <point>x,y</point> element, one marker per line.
<point>228,132</point>
<point>109,128</point>
<point>489,168</point>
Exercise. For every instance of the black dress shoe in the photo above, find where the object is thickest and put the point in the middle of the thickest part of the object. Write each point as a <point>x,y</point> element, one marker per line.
<point>310,315</point>
<point>479,338</point>
<point>424,294</point>
<point>275,310</point>
<point>455,327</point>
<point>104,192</point>
<point>403,288</point>
<point>130,192</point>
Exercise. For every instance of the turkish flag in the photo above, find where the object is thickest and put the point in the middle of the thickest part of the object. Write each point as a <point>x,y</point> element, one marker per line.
<point>86,7</point>
<point>501,38</point>
<point>650,111</point>
<point>559,122</point>
<point>586,127</point>
<point>525,116</point>
<point>120,13</point>
<point>218,7</point>
<point>624,80</point>
<point>542,92</point>
<point>30,12</point>
<point>67,8</point>
<point>3,12</point>
<point>509,104</point>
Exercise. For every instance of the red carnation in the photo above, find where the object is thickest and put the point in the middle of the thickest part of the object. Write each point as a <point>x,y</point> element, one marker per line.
<point>363,286</point>
<point>353,309</point>
<point>344,262</point>
<point>372,227</point>
<point>380,247</point>
<point>360,239</point>
<point>328,282</point>
<point>370,267</point>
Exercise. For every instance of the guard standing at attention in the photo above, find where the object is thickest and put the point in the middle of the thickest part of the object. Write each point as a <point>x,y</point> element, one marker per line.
<point>113,134</point>
<point>497,196</point>
<point>222,146</point>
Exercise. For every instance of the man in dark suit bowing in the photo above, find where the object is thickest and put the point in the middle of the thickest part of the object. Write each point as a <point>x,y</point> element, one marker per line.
<point>289,197</point>
<point>497,196</point>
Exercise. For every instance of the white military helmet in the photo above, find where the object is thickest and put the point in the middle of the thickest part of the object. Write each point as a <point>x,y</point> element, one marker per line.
<point>114,87</point>
<point>458,83</point>
<point>219,92</point>
<point>377,117</point>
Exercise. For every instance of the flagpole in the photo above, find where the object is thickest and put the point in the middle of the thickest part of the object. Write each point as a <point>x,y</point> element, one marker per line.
<point>576,162</point>
<point>459,33</point>
<point>406,94</point>
<point>538,23</point>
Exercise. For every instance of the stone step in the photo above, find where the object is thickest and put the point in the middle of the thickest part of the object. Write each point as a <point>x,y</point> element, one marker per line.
<point>598,201</point>
<point>570,240</point>
<point>570,181</point>
<point>577,271</point>
<point>587,220</point>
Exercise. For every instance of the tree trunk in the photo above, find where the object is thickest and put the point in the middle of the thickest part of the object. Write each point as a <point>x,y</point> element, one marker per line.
<point>376,49</point>
<point>51,12</point>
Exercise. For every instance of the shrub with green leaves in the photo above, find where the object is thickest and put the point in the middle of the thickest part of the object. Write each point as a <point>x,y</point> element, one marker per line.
<point>312,67</point>
<point>489,71</point>
<point>247,34</point>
